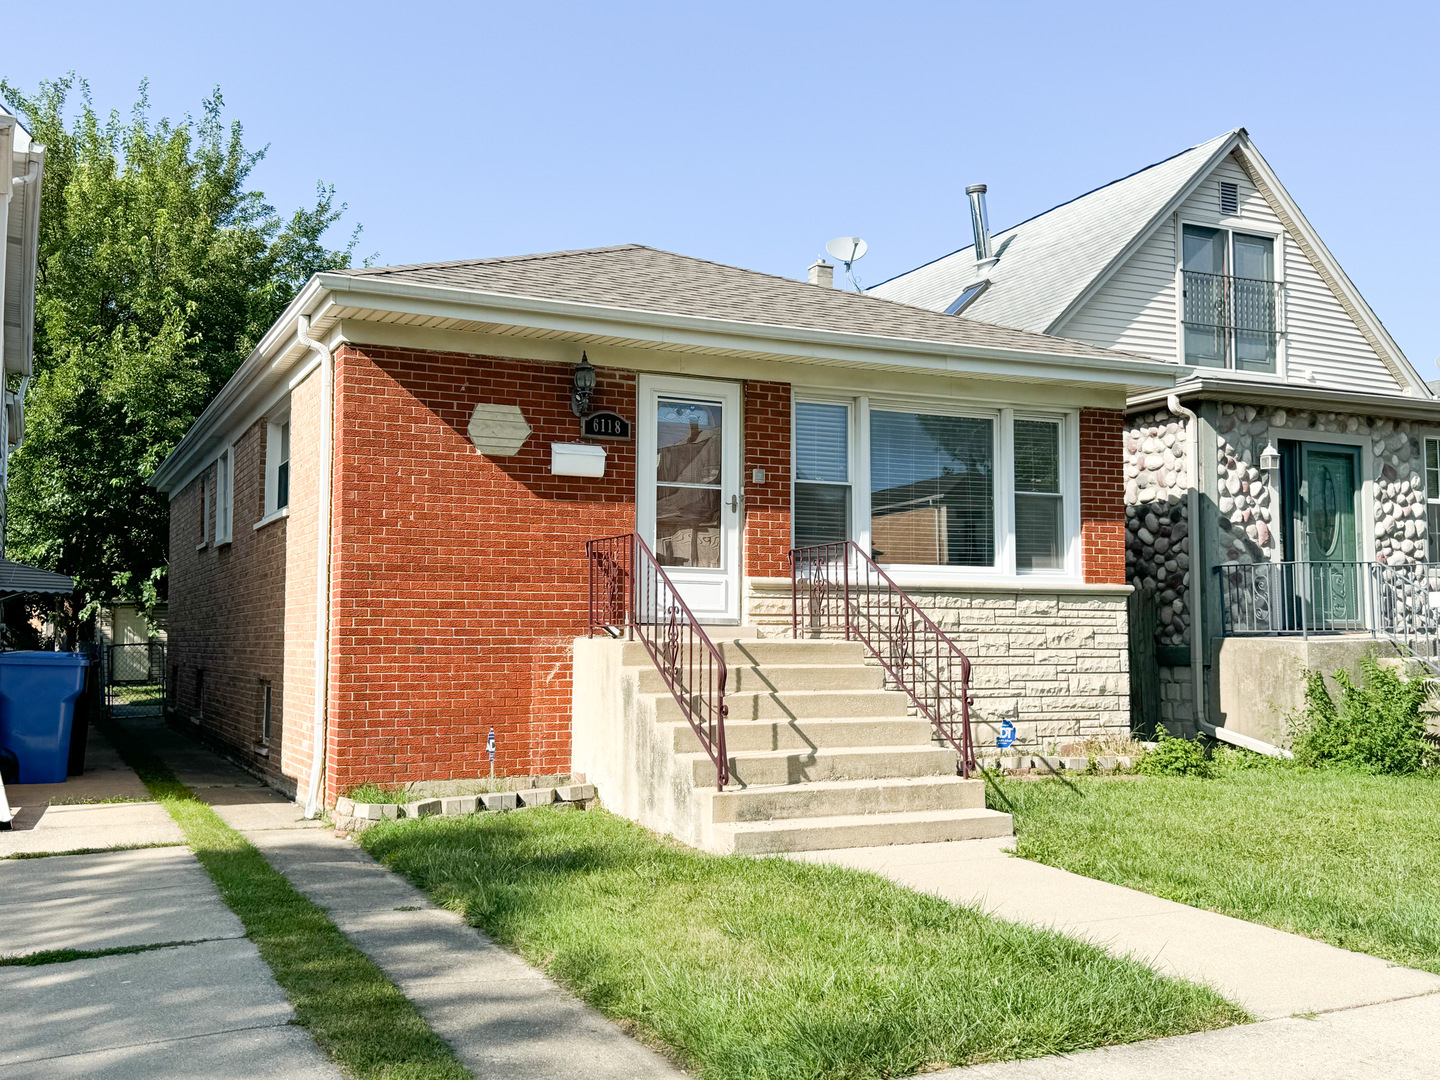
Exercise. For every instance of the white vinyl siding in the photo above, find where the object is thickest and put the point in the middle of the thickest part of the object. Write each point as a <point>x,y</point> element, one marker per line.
<point>1136,309</point>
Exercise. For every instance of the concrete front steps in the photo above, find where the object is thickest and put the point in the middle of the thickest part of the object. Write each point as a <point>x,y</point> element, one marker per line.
<point>821,755</point>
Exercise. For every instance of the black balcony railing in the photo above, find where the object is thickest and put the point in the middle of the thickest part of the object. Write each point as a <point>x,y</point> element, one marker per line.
<point>1231,321</point>
<point>1394,602</point>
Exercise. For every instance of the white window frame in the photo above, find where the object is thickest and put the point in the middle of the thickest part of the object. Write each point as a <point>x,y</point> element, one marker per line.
<point>850,406</point>
<point>1069,444</point>
<point>206,501</point>
<point>1003,418</point>
<point>1232,224</point>
<point>272,510</point>
<point>225,496</point>
<point>1432,498</point>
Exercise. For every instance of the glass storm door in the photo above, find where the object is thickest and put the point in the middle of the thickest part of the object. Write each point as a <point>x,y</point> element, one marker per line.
<point>1329,545</point>
<point>688,497</point>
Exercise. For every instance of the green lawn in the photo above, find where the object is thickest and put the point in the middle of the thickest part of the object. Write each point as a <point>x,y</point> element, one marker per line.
<point>770,968</point>
<point>1336,855</point>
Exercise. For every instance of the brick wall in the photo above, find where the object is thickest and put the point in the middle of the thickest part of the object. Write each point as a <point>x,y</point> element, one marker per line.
<point>767,506</point>
<point>227,608</point>
<point>1102,495</point>
<point>301,536</point>
<point>459,579</point>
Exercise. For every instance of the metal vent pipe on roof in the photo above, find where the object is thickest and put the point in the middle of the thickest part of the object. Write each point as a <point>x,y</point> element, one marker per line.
<point>979,221</point>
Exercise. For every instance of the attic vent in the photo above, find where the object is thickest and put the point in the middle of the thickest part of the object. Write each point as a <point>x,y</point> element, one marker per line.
<point>1229,198</point>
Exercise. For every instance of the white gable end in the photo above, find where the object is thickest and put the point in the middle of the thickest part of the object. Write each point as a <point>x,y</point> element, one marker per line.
<point>1136,308</point>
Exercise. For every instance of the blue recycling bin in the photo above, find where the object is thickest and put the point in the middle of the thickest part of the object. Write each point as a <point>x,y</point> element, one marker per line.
<point>37,705</point>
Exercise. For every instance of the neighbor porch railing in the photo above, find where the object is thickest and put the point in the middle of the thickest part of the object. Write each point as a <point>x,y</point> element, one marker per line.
<point>1304,598</point>
<point>837,589</point>
<point>631,596</point>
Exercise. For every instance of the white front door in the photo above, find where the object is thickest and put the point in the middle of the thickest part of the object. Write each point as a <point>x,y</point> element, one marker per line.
<point>688,504</point>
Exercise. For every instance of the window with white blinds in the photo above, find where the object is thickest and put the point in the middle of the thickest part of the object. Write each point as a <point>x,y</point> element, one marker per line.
<point>932,489</point>
<point>1039,503</point>
<point>822,473</point>
<point>992,491</point>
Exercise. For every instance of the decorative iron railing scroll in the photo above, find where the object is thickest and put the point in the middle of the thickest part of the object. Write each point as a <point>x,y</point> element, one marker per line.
<point>838,590</point>
<point>631,596</point>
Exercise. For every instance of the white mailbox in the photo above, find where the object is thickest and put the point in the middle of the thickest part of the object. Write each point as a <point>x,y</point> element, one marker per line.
<point>577,459</point>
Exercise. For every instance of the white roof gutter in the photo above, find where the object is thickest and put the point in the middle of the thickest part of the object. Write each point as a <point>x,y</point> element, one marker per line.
<point>281,348</point>
<point>478,305</point>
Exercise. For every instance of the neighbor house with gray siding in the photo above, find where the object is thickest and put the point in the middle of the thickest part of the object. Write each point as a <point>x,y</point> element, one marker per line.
<point>1279,498</point>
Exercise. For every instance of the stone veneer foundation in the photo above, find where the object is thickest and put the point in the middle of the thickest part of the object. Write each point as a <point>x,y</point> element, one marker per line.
<point>1054,663</point>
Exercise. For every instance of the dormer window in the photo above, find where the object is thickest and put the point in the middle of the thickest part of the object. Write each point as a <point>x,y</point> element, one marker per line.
<point>1230,299</point>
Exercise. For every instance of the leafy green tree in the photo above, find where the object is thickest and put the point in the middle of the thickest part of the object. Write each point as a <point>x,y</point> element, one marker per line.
<point>159,269</point>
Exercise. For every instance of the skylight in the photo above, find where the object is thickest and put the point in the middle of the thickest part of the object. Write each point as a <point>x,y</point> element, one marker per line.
<point>963,300</point>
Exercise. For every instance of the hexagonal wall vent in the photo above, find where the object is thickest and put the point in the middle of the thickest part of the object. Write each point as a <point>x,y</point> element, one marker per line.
<point>498,430</point>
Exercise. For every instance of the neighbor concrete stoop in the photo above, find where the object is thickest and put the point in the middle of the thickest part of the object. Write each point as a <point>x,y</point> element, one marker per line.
<point>821,754</point>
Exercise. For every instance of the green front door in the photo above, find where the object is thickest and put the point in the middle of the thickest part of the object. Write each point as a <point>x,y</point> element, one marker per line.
<point>1328,542</point>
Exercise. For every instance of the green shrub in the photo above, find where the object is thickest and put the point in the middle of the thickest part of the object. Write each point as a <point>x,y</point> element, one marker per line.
<point>1376,727</point>
<point>1175,757</point>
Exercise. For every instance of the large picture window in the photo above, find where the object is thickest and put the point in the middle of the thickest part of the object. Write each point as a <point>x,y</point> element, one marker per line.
<point>932,489</point>
<point>967,492</point>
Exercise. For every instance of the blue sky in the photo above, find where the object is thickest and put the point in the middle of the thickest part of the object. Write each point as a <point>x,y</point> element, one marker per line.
<point>752,133</point>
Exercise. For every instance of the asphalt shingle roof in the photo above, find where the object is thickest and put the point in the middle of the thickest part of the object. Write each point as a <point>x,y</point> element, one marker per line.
<point>1051,259</point>
<point>636,278</point>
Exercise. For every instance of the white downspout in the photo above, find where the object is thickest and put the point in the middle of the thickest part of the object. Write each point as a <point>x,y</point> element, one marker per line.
<point>314,794</point>
<point>1195,598</point>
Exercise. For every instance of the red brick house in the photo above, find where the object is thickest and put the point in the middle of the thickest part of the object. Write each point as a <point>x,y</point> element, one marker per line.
<point>387,500</point>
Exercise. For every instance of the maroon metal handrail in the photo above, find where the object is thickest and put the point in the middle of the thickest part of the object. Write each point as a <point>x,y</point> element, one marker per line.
<point>837,588</point>
<point>631,594</point>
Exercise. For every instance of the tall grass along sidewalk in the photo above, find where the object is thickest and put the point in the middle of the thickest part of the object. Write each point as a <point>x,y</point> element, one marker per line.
<point>767,968</point>
<point>355,1014</point>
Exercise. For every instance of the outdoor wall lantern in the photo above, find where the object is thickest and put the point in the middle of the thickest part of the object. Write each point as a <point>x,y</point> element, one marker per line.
<point>582,387</point>
<point>1270,458</point>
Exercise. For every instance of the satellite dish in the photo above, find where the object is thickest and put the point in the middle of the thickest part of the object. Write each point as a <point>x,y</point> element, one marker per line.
<point>847,250</point>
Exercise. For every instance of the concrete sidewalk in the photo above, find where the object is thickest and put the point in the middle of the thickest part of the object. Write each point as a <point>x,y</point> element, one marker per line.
<point>53,818</point>
<point>208,1009</point>
<point>1268,972</point>
<point>1394,1040</point>
<point>503,1017</point>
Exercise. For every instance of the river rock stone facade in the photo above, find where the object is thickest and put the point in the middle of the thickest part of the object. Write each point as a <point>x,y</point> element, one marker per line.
<point>1157,530</point>
<point>1248,507</point>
